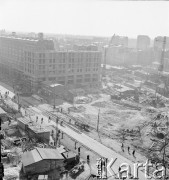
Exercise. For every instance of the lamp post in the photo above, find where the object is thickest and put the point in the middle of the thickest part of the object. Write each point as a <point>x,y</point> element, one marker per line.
<point>57,133</point>
<point>18,102</point>
<point>98,120</point>
<point>54,95</point>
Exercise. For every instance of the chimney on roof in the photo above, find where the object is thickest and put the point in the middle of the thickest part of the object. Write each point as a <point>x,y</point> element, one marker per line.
<point>40,36</point>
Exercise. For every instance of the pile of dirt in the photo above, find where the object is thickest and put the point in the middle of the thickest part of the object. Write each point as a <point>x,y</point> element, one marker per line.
<point>11,173</point>
<point>83,100</point>
<point>77,109</point>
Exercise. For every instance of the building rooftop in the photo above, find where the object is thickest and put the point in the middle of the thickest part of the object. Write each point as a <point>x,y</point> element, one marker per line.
<point>2,112</point>
<point>38,129</point>
<point>24,120</point>
<point>47,153</point>
<point>20,38</point>
<point>40,154</point>
<point>31,157</point>
<point>34,127</point>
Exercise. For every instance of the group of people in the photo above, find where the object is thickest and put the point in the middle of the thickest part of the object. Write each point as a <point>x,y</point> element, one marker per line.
<point>128,148</point>
<point>6,94</point>
<point>37,119</point>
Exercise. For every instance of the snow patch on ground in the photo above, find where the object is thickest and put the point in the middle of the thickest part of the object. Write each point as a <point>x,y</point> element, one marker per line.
<point>11,172</point>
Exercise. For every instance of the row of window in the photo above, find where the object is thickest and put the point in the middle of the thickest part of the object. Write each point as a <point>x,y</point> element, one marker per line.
<point>63,67</point>
<point>42,61</point>
<point>70,81</point>
<point>70,55</point>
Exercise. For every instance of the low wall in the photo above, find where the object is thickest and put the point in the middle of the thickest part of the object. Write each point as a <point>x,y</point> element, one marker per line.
<point>73,145</point>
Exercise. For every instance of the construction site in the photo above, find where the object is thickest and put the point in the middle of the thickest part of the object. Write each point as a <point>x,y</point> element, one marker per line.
<point>64,131</point>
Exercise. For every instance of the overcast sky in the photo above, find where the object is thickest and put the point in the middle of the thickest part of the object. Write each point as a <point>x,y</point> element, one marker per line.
<point>86,17</point>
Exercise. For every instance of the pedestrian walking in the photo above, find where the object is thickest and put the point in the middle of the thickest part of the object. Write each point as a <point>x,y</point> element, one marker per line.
<point>122,147</point>
<point>120,172</point>
<point>128,149</point>
<point>36,118</point>
<point>134,153</point>
<point>88,158</point>
<point>49,119</point>
<point>119,169</point>
<point>41,120</point>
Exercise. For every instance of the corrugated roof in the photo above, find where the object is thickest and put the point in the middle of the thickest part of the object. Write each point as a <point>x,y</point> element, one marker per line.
<point>47,153</point>
<point>40,154</point>
<point>38,129</point>
<point>2,111</point>
<point>24,120</point>
<point>31,157</point>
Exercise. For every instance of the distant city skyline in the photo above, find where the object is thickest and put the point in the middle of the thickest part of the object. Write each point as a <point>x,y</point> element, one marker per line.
<point>86,18</point>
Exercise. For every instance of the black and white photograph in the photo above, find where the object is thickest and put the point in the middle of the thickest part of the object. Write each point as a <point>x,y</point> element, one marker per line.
<point>84,90</point>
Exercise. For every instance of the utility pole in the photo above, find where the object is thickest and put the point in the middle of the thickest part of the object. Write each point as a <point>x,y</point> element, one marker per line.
<point>54,106</point>
<point>57,130</point>
<point>18,102</point>
<point>98,119</point>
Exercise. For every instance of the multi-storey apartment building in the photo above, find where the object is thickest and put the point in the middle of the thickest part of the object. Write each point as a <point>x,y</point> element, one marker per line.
<point>143,42</point>
<point>36,61</point>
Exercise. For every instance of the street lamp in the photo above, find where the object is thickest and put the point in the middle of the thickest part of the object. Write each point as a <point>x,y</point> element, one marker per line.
<point>18,102</point>
<point>98,120</point>
<point>57,133</point>
<point>54,94</point>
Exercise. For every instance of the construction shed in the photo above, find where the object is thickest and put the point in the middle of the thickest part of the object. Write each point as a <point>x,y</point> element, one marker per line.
<point>41,161</point>
<point>33,130</point>
<point>23,123</point>
<point>40,133</point>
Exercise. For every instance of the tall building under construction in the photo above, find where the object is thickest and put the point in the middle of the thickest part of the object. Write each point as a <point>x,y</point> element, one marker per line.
<point>31,61</point>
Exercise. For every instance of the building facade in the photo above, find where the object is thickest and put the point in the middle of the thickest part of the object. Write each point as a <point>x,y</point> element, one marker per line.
<point>35,60</point>
<point>42,160</point>
<point>158,43</point>
<point>119,41</point>
<point>143,42</point>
